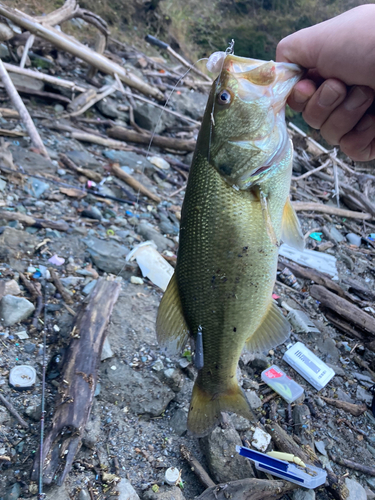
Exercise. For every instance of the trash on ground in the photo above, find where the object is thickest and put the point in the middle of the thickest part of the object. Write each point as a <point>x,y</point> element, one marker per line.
<point>279,381</point>
<point>300,322</point>
<point>22,377</point>
<point>320,261</point>
<point>261,439</point>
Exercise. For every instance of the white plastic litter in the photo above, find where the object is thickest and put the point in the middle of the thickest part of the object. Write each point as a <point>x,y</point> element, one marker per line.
<point>22,376</point>
<point>260,439</point>
<point>316,260</point>
<point>152,264</point>
<point>172,475</point>
<point>159,162</point>
<point>215,62</point>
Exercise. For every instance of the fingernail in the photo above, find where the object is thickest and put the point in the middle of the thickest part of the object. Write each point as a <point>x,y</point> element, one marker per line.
<point>299,97</point>
<point>328,95</point>
<point>365,123</point>
<point>358,97</point>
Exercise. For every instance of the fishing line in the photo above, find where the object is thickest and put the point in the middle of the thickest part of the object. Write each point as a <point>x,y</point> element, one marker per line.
<point>42,495</point>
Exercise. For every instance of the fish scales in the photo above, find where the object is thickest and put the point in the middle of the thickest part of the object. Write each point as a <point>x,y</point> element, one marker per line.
<point>235,212</point>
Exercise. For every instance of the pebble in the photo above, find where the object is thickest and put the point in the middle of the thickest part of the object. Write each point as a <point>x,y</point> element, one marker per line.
<point>89,287</point>
<point>126,491</point>
<point>158,365</point>
<point>354,239</point>
<point>253,399</point>
<point>178,422</point>
<point>174,379</point>
<point>29,347</point>
<point>304,495</point>
<point>106,351</point>
<point>363,396</point>
<point>15,309</point>
<point>356,491</point>
<point>84,495</point>
<point>14,493</point>
<point>320,446</point>
<point>136,280</point>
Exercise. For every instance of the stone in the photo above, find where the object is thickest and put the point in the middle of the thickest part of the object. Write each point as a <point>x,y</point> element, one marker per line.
<point>178,422</point>
<point>241,424</point>
<point>128,159</point>
<point>26,82</point>
<point>253,399</point>
<point>15,309</point>
<point>106,351</point>
<point>58,493</point>
<point>148,117</point>
<point>89,287</point>
<point>191,103</point>
<point>225,464</point>
<point>108,256</point>
<point>158,365</point>
<point>363,395</point>
<point>149,233</point>
<point>108,107</point>
<point>164,493</point>
<point>259,363</point>
<point>356,491</point>
<point>31,161</point>
<point>301,419</point>
<point>83,158</point>
<point>4,51</point>
<point>354,239</point>
<point>343,396</point>
<point>9,288</point>
<point>29,347</point>
<point>35,187</point>
<point>34,412</point>
<point>174,379</point>
<point>91,434</point>
<point>143,393</point>
<point>126,491</point>
<point>92,213</point>
<point>328,347</point>
<point>15,491</point>
<point>303,494</point>
<point>320,446</point>
<point>3,183</point>
<point>71,281</point>
<point>362,377</point>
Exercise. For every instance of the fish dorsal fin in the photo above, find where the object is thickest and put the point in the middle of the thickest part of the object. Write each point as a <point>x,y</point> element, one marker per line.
<point>171,328</point>
<point>273,330</point>
<point>291,228</point>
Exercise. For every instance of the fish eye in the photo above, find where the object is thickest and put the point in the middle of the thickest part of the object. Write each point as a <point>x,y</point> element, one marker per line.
<point>224,97</point>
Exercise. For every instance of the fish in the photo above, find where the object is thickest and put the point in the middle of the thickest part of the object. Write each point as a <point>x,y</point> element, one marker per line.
<point>235,213</point>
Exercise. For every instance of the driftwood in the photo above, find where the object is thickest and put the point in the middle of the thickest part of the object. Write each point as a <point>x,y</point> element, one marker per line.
<point>353,465</point>
<point>355,410</point>
<point>41,93</point>
<point>21,108</point>
<point>344,326</point>
<point>59,286</point>
<point>196,467</point>
<point>13,412</point>
<point>100,45</point>
<point>28,45</point>
<point>78,383</point>
<point>136,185</point>
<point>90,174</point>
<point>285,443</point>
<point>125,134</point>
<point>248,489</point>
<point>102,141</point>
<point>328,209</point>
<point>31,221</point>
<point>343,308</point>
<point>69,44</point>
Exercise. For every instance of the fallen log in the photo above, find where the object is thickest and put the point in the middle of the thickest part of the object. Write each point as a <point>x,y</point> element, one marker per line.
<point>136,185</point>
<point>31,221</point>
<point>196,467</point>
<point>344,326</point>
<point>343,308</point>
<point>125,134</point>
<point>355,410</point>
<point>248,489</point>
<point>353,465</point>
<point>69,44</point>
<point>78,383</point>
<point>328,209</point>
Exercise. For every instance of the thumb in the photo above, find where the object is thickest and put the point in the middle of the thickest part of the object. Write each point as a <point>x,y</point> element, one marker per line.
<point>302,47</point>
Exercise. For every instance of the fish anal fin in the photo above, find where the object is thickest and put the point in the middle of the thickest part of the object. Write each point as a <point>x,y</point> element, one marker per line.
<point>171,328</point>
<point>205,409</point>
<point>291,228</point>
<point>273,330</point>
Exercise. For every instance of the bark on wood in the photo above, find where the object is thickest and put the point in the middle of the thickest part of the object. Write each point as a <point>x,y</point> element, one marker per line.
<point>196,467</point>
<point>102,141</point>
<point>28,45</point>
<point>78,383</point>
<point>344,326</point>
<point>40,93</point>
<point>125,134</point>
<point>248,489</point>
<point>343,308</point>
<point>90,174</point>
<point>328,209</point>
<point>56,281</point>
<point>69,44</point>
<point>30,221</point>
<point>44,77</point>
<point>13,412</point>
<point>21,108</point>
<point>353,465</point>
<point>60,15</point>
<point>355,410</point>
<point>100,45</point>
<point>137,186</point>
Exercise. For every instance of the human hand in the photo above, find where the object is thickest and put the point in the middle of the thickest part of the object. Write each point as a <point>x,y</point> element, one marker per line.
<point>338,89</point>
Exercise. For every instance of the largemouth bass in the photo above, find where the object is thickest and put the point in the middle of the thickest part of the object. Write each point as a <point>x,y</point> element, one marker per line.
<point>235,213</point>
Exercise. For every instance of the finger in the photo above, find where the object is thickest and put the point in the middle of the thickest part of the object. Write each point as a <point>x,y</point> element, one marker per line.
<point>301,94</point>
<point>325,100</point>
<point>302,47</point>
<point>359,144</point>
<point>346,116</point>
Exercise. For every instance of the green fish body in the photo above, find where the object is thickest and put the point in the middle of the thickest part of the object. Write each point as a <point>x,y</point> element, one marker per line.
<point>235,212</point>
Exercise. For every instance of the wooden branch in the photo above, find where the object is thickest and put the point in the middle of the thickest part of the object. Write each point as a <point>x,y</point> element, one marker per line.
<point>248,489</point>
<point>328,209</point>
<point>30,221</point>
<point>13,412</point>
<point>78,381</point>
<point>102,141</point>
<point>21,108</point>
<point>41,93</point>
<point>44,78</point>
<point>136,185</point>
<point>60,15</point>
<point>92,18</point>
<point>100,45</point>
<point>355,410</point>
<point>69,44</point>
<point>353,465</point>
<point>343,308</point>
<point>94,99</point>
<point>344,326</point>
<point>90,174</point>
<point>28,45</point>
<point>59,286</point>
<point>125,134</point>
<point>312,172</point>
<point>196,467</point>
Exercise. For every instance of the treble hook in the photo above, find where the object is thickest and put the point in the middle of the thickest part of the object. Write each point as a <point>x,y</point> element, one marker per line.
<point>230,48</point>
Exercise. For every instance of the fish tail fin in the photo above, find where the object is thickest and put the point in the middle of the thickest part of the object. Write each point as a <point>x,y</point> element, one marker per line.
<point>205,408</point>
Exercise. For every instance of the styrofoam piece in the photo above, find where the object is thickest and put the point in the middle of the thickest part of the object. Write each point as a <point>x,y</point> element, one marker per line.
<point>260,439</point>
<point>316,260</point>
<point>152,264</point>
<point>22,377</point>
<point>172,475</point>
<point>309,366</point>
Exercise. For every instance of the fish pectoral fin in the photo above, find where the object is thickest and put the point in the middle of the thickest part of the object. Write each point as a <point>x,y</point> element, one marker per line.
<point>171,328</point>
<point>291,228</point>
<point>205,408</point>
<point>267,219</point>
<point>273,330</point>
